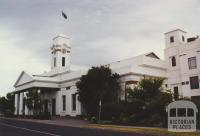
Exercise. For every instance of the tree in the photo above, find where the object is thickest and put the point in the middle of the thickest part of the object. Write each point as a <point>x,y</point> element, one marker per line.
<point>147,89</point>
<point>7,105</point>
<point>98,84</point>
<point>154,99</point>
<point>196,100</point>
<point>11,102</point>
<point>33,101</point>
<point>3,104</point>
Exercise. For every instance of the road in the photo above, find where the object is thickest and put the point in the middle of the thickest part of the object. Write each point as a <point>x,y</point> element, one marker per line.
<point>23,128</point>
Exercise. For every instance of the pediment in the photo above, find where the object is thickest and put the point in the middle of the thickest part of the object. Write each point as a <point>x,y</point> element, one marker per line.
<point>152,55</point>
<point>23,78</point>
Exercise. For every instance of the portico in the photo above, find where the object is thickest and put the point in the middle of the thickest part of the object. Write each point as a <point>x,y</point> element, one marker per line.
<point>48,98</point>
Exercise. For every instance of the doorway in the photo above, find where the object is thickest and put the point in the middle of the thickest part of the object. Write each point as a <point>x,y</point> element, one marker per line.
<point>46,106</point>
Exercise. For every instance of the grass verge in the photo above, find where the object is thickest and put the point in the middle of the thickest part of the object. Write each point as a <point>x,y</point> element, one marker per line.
<point>142,130</point>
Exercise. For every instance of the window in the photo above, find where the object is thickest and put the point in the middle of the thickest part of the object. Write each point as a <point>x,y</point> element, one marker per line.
<point>181,112</point>
<point>194,82</point>
<point>67,88</point>
<point>54,62</point>
<point>176,93</point>
<point>73,102</point>
<point>173,61</point>
<point>183,38</point>
<point>63,61</point>
<point>172,112</point>
<point>192,63</point>
<point>64,102</point>
<point>190,112</point>
<point>171,39</point>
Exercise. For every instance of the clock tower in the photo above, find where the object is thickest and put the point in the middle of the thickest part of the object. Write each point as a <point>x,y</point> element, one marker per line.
<point>60,51</point>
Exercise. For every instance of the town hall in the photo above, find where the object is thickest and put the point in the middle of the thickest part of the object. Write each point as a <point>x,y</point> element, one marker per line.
<point>58,86</point>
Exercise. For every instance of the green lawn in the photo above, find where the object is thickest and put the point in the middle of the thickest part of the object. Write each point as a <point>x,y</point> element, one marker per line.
<point>143,130</point>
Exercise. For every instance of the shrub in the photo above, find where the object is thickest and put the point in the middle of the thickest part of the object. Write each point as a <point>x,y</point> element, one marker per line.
<point>94,119</point>
<point>196,100</point>
<point>43,116</point>
<point>121,112</point>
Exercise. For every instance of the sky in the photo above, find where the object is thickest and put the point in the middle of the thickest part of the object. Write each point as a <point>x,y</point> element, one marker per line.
<point>100,31</point>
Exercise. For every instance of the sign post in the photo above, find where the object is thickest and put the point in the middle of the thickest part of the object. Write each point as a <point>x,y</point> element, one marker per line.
<point>99,110</point>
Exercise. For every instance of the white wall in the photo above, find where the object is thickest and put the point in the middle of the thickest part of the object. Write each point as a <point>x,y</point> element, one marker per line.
<point>181,72</point>
<point>49,95</point>
<point>68,93</point>
<point>60,43</point>
<point>16,103</point>
<point>21,95</point>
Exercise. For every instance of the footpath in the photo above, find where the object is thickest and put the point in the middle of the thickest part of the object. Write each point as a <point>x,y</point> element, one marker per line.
<point>72,122</point>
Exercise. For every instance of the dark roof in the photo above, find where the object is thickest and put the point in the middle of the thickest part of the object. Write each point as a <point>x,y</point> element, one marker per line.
<point>152,55</point>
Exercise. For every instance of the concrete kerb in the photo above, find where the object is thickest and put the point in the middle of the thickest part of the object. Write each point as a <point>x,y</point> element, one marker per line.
<point>61,122</point>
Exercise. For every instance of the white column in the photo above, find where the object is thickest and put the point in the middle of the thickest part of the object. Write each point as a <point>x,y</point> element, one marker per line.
<point>78,106</point>
<point>59,103</point>
<point>68,103</point>
<point>16,103</point>
<point>21,103</point>
<point>26,110</point>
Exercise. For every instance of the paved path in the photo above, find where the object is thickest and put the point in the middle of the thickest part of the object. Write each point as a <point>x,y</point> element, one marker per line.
<point>59,121</point>
<point>10,127</point>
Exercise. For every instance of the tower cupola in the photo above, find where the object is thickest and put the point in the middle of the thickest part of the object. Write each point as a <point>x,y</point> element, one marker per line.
<point>175,38</point>
<point>60,51</point>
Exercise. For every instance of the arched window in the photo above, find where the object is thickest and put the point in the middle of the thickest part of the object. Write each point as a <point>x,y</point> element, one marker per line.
<point>173,61</point>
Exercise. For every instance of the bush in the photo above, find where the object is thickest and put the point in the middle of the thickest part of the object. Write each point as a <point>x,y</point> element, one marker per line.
<point>138,112</point>
<point>145,105</point>
<point>104,122</point>
<point>121,112</point>
<point>94,119</point>
<point>43,116</point>
<point>196,100</point>
<point>9,113</point>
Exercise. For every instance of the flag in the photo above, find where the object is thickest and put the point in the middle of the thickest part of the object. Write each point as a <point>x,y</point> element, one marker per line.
<point>64,15</point>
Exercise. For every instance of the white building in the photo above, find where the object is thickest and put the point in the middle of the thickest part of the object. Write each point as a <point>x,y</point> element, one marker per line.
<point>59,91</point>
<point>182,55</point>
<point>58,87</point>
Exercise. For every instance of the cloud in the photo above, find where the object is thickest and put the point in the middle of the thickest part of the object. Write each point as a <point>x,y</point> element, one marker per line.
<point>14,59</point>
<point>101,31</point>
